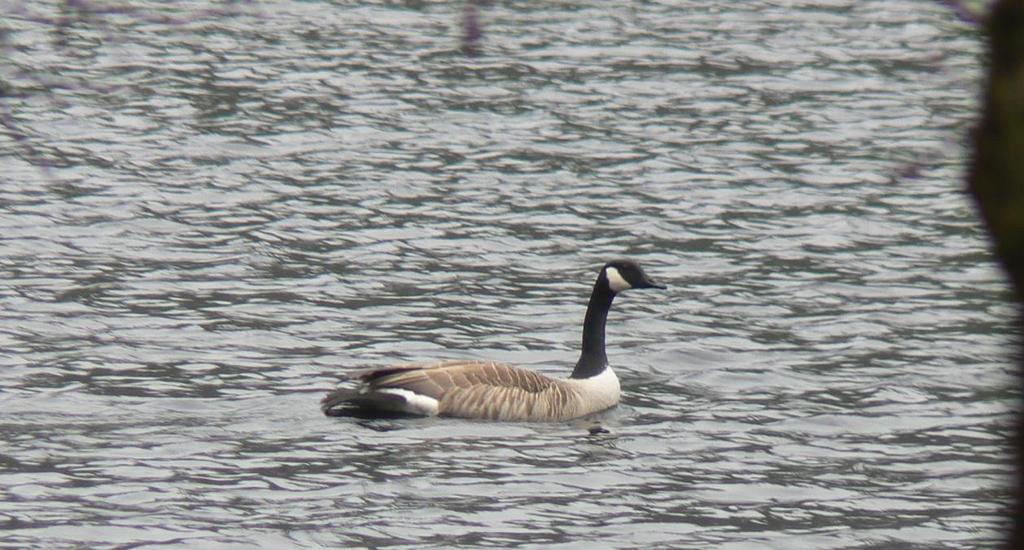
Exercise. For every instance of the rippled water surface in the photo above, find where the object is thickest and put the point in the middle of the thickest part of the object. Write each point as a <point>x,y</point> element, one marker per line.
<point>210,213</point>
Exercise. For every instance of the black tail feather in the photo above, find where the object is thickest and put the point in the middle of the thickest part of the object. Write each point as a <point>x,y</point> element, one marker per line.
<point>338,398</point>
<point>354,404</point>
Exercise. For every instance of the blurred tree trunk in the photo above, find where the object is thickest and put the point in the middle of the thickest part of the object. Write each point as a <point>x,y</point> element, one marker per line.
<point>996,180</point>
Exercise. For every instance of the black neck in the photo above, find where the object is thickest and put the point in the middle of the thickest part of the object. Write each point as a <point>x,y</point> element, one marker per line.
<point>593,359</point>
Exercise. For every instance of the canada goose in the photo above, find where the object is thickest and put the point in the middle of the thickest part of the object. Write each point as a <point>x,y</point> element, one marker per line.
<point>487,390</point>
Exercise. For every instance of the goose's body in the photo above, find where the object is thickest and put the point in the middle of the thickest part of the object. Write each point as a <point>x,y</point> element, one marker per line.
<point>495,391</point>
<point>478,389</point>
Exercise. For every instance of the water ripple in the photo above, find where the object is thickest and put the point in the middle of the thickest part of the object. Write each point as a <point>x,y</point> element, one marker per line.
<point>239,208</point>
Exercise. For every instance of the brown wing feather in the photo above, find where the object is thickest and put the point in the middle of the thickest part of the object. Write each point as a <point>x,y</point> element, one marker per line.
<point>479,389</point>
<point>436,378</point>
<point>367,375</point>
<point>556,401</point>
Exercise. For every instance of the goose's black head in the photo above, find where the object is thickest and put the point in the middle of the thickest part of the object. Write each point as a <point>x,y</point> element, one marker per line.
<point>622,275</point>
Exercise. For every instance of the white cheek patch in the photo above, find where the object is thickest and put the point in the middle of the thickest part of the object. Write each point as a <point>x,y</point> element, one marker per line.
<point>615,280</point>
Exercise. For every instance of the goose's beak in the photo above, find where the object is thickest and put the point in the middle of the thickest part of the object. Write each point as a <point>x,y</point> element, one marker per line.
<point>650,283</point>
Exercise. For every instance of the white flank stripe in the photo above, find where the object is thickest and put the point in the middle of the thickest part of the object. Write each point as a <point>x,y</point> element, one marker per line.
<point>615,280</point>
<point>414,402</point>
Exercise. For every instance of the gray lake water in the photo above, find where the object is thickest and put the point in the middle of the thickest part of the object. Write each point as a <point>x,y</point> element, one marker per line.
<point>209,213</point>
